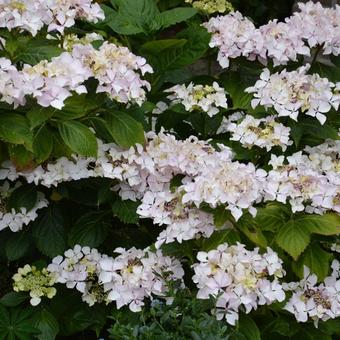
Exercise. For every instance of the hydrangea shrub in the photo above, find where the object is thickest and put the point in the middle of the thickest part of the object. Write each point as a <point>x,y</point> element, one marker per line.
<point>169,169</point>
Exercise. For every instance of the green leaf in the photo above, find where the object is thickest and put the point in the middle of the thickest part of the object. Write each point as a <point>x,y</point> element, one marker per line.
<point>49,232</point>
<point>248,328</point>
<point>133,17</point>
<point>218,237</point>
<point>78,106</point>
<point>17,245</point>
<point>39,115</point>
<point>293,238</point>
<point>177,57</point>
<point>327,224</point>
<point>175,15</point>
<point>24,196</point>
<point>125,130</point>
<point>13,299</point>
<point>271,218</point>
<point>316,259</point>
<point>126,211</point>
<point>34,53</point>
<point>78,138</point>
<point>47,324</point>
<point>42,144</point>
<point>20,156</point>
<point>158,46</point>
<point>90,229</point>
<point>221,216</point>
<point>316,130</point>
<point>16,324</point>
<point>15,129</point>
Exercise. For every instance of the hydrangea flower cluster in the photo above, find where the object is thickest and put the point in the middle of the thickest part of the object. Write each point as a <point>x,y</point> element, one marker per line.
<point>237,278</point>
<point>199,97</point>
<point>38,282</point>
<point>32,15</point>
<point>249,131</point>
<point>137,274</point>
<point>317,302</point>
<point>15,220</point>
<point>308,182</point>
<point>116,69</point>
<point>211,6</point>
<point>127,279</point>
<point>79,269</point>
<point>314,25</point>
<point>291,92</point>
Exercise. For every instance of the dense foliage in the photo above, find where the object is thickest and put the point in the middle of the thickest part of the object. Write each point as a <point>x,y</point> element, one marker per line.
<point>169,169</point>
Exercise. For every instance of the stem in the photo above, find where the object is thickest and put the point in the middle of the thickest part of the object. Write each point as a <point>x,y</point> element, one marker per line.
<point>316,55</point>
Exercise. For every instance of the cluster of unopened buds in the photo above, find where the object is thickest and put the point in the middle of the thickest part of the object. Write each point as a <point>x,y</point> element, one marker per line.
<point>33,15</point>
<point>38,283</point>
<point>211,6</point>
<point>291,92</point>
<point>206,98</point>
<point>237,278</point>
<point>127,279</point>
<point>51,82</point>
<point>312,301</point>
<point>312,26</point>
<point>249,131</point>
<point>16,219</point>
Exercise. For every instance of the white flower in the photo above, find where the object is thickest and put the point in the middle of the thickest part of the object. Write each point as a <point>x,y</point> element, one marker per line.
<point>320,302</point>
<point>290,93</point>
<point>199,97</point>
<point>264,132</point>
<point>237,277</point>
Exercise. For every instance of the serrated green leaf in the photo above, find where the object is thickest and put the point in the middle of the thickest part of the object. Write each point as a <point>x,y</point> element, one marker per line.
<point>47,325</point>
<point>17,245</point>
<point>34,53</point>
<point>39,115</point>
<point>158,46</point>
<point>316,259</point>
<point>13,299</point>
<point>327,224</point>
<point>78,138</point>
<point>125,130</point>
<point>24,196</point>
<point>49,232</point>
<point>293,238</point>
<point>248,327</point>
<point>270,218</point>
<point>42,144</point>
<point>90,229</point>
<point>15,129</point>
<point>126,211</point>
<point>175,15</point>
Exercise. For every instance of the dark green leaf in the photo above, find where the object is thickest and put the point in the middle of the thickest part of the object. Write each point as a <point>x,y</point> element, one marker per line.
<point>32,54</point>
<point>24,196</point>
<point>15,129</point>
<point>175,15</point>
<point>316,259</point>
<point>78,138</point>
<point>293,238</point>
<point>49,232</point>
<point>47,324</point>
<point>125,130</point>
<point>126,211</point>
<point>42,144</point>
<point>17,245</point>
<point>90,229</point>
<point>13,299</point>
